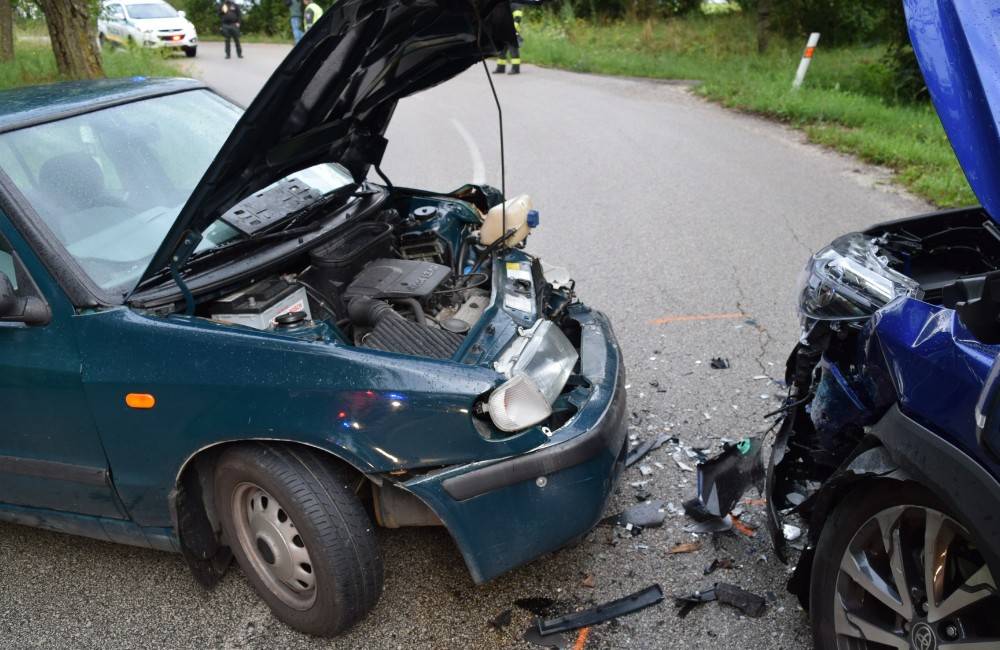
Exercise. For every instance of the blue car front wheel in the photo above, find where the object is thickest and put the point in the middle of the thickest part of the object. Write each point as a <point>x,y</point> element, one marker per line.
<point>300,534</point>
<point>893,569</point>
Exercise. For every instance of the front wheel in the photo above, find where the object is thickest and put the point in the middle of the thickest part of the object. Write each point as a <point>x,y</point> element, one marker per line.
<point>300,535</point>
<point>893,569</point>
<point>191,52</point>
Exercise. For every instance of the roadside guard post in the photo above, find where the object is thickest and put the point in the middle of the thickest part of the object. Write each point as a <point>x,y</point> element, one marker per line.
<point>807,56</point>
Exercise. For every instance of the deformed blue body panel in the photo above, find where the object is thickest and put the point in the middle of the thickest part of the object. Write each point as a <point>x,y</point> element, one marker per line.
<point>937,369</point>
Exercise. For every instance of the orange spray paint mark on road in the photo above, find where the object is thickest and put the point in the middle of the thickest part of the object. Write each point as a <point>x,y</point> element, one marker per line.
<point>696,317</point>
<point>581,639</point>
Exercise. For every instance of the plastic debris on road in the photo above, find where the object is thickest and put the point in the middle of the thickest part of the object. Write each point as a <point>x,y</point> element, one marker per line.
<point>748,603</point>
<point>603,613</point>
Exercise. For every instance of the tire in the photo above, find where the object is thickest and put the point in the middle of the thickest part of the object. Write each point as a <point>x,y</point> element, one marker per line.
<point>301,536</point>
<point>846,614</point>
<point>191,52</point>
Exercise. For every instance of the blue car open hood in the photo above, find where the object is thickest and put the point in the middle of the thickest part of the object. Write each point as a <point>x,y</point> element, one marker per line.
<point>957,45</point>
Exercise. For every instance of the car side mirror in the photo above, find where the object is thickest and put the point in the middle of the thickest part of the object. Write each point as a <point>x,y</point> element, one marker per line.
<point>182,13</point>
<point>28,310</point>
<point>988,411</point>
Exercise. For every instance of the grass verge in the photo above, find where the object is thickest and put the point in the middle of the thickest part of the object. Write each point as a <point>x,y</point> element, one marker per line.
<point>843,104</point>
<point>34,64</point>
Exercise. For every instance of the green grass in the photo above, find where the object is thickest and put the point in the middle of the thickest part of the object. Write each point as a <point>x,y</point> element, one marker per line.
<point>845,104</point>
<point>34,64</point>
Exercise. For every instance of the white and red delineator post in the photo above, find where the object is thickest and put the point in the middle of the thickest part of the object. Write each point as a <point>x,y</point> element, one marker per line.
<point>807,56</point>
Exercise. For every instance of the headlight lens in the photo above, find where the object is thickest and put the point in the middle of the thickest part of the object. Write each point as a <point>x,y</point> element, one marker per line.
<point>518,404</point>
<point>548,359</point>
<point>849,280</point>
<point>539,362</point>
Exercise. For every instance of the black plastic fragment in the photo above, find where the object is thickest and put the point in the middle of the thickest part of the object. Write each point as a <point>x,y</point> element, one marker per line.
<point>688,602</point>
<point>718,363</point>
<point>640,600</point>
<point>750,604</point>
<point>724,479</point>
<point>635,455</point>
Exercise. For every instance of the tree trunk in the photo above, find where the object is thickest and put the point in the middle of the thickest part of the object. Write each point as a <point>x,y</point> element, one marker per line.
<point>6,30</point>
<point>73,31</point>
<point>763,25</point>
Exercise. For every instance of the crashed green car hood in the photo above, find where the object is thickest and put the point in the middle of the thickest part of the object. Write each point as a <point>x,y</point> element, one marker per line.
<point>332,98</point>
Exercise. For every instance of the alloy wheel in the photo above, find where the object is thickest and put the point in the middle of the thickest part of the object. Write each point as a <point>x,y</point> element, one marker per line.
<point>274,546</point>
<point>911,578</point>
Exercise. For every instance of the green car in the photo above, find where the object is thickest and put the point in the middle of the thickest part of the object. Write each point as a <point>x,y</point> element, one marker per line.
<point>218,338</point>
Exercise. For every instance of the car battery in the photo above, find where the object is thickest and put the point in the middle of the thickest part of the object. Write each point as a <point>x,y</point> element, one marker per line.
<point>260,304</point>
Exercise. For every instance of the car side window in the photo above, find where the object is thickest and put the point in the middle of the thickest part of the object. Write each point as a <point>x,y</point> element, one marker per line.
<point>115,12</point>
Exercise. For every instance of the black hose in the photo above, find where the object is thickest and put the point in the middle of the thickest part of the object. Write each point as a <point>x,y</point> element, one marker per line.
<point>414,305</point>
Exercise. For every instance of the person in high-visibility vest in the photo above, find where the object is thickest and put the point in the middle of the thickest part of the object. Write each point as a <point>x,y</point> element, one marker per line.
<point>313,13</point>
<point>512,51</point>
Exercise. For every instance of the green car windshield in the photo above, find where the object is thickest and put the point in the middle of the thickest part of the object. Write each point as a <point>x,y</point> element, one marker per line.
<point>110,184</point>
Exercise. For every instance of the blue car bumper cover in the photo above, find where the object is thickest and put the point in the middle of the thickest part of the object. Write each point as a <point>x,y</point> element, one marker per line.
<point>504,513</point>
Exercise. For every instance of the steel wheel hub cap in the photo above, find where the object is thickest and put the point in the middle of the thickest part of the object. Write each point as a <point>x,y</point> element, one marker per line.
<point>913,579</point>
<point>273,545</point>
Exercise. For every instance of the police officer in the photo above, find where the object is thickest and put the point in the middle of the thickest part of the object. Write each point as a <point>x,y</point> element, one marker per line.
<point>231,16</point>
<point>313,13</point>
<point>512,51</point>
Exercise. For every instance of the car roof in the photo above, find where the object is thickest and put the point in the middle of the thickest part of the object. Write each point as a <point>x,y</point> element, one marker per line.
<point>31,105</point>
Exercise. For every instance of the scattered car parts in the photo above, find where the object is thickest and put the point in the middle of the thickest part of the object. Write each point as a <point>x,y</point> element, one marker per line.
<point>724,593</point>
<point>631,604</point>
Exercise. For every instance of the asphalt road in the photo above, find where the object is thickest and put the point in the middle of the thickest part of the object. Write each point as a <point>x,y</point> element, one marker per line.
<point>687,223</point>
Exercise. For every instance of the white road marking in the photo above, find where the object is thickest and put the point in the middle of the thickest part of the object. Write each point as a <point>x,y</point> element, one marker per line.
<point>478,167</point>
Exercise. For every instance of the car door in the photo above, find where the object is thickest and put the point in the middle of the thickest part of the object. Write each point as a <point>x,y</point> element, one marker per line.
<point>51,456</point>
<point>116,22</point>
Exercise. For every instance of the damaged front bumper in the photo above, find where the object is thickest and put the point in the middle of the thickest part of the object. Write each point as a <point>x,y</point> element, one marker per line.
<point>503,513</point>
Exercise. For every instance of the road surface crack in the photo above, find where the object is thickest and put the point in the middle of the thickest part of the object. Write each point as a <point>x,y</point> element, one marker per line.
<point>764,338</point>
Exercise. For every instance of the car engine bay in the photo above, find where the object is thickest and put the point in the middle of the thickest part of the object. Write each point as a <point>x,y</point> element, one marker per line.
<point>414,278</point>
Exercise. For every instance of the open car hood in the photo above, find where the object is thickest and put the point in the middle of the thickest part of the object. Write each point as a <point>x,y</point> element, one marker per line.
<point>332,97</point>
<point>959,53</point>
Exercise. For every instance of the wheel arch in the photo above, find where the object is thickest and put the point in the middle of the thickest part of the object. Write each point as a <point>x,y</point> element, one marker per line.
<point>899,448</point>
<point>193,510</point>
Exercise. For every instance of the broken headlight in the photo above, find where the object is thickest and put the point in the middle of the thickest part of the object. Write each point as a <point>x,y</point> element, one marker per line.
<point>539,362</point>
<point>849,280</point>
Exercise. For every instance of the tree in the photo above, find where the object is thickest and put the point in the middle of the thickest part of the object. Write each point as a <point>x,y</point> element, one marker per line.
<point>763,25</point>
<point>72,28</point>
<point>6,30</point>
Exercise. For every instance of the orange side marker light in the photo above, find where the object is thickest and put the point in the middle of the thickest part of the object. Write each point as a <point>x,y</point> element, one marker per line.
<point>140,401</point>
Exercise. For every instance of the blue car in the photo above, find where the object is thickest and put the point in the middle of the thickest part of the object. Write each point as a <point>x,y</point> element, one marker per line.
<point>218,337</point>
<point>890,444</point>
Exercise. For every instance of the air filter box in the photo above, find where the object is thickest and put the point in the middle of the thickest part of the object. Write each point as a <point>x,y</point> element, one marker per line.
<point>399,279</point>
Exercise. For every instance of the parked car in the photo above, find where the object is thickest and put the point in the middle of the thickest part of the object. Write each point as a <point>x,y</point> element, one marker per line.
<point>890,444</point>
<point>218,338</point>
<point>146,23</point>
